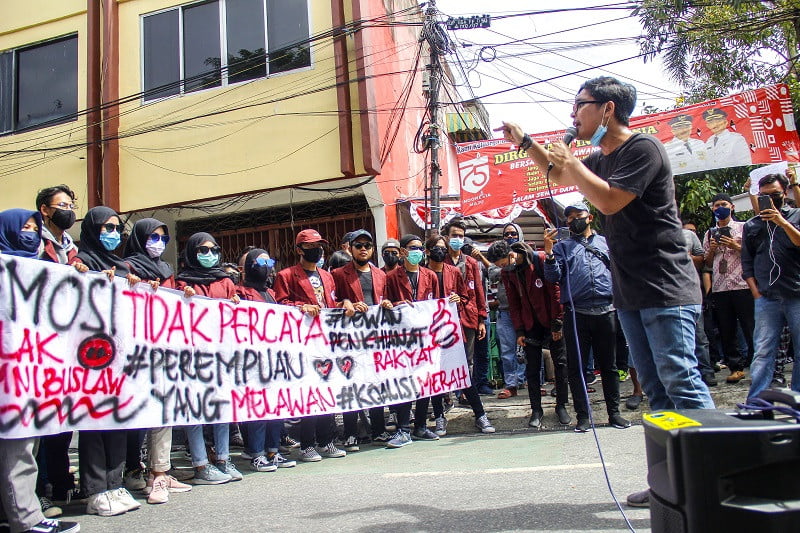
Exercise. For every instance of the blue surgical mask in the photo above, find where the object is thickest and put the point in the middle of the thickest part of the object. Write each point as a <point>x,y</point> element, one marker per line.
<point>29,241</point>
<point>110,241</point>
<point>415,256</point>
<point>321,262</point>
<point>155,249</point>
<point>511,240</point>
<point>600,132</point>
<point>208,260</point>
<point>721,213</point>
<point>456,243</point>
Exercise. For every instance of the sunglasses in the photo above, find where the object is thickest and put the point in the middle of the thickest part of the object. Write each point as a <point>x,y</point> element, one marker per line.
<point>111,228</point>
<point>207,249</point>
<point>260,261</point>
<point>415,248</point>
<point>155,237</point>
<point>510,234</point>
<point>362,245</point>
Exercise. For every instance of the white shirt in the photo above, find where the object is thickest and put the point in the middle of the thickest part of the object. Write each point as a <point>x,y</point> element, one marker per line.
<point>686,156</point>
<point>728,149</point>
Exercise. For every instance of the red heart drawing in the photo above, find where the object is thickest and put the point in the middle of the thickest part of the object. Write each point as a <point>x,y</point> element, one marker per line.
<point>345,365</point>
<point>323,368</point>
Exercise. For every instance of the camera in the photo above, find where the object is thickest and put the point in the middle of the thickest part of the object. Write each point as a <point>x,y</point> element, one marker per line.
<point>717,233</point>
<point>467,249</point>
<point>764,202</point>
<point>563,233</point>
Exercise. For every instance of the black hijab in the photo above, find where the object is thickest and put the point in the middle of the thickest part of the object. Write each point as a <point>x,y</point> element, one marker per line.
<point>91,251</point>
<point>145,266</point>
<point>253,274</point>
<point>194,273</point>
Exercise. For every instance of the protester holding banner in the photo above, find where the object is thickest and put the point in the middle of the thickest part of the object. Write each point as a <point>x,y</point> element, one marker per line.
<point>57,207</point>
<point>101,454</point>
<point>310,288</point>
<point>203,275</point>
<point>390,253</point>
<point>364,284</point>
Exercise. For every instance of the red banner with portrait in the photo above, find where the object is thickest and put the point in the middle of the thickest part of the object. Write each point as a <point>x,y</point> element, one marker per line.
<point>754,127</point>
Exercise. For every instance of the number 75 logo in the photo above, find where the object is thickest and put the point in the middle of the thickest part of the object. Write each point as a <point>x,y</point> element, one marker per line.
<point>474,174</point>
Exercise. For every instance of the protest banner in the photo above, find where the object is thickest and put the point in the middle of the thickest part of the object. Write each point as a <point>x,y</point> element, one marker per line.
<point>754,127</point>
<point>78,351</point>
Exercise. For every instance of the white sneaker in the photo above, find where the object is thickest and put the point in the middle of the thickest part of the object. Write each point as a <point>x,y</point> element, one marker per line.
<point>125,498</point>
<point>484,425</point>
<point>350,444</point>
<point>441,426</point>
<point>103,504</point>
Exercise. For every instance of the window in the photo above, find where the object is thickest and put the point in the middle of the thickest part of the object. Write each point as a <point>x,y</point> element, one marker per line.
<point>39,84</point>
<point>219,42</point>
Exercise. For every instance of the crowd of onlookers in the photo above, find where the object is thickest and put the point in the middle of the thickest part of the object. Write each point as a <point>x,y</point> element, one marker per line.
<point>552,310</point>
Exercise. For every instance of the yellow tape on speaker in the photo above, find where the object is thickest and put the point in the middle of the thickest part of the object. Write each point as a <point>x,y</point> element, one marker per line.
<point>667,420</point>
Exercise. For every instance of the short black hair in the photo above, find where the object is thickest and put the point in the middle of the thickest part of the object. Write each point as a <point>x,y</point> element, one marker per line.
<point>431,242</point>
<point>44,196</point>
<point>721,196</point>
<point>772,178</point>
<point>608,89</point>
<point>457,222</point>
<point>497,251</point>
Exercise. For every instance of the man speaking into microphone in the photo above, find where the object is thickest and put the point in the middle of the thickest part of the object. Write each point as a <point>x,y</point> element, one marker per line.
<point>655,287</point>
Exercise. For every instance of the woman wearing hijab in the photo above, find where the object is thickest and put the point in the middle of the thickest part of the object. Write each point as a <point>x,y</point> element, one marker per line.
<point>101,454</point>
<point>21,236</point>
<point>143,250</point>
<point>261,434</point>
<point>203,275</point>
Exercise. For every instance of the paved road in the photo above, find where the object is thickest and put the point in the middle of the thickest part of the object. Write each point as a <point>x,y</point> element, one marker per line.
<point>549,481</point>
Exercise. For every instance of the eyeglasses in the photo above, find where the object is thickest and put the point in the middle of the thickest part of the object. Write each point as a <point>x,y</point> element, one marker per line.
<point>65,205</point>
<point>387,252</point>
<point>510,234</point>
<point>111,228</point>
<point>155,237</point>
<point>580,103</point>
<point>362,245</point>
<point>267,262</point>
<point>207,249</point>
<point>415,247</point>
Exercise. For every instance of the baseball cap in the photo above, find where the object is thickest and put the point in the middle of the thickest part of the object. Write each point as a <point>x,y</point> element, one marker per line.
<point>347,237</point>
<point>391,243</point>
<point>360,233</point>
<point>577,206</point>
<point>309,235</point>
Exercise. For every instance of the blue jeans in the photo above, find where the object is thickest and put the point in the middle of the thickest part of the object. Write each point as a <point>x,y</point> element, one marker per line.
<point>770,315</point>
<point>263,434</point>
<point>197,445</point>
<point>513,372</point>
<point>661,344</point>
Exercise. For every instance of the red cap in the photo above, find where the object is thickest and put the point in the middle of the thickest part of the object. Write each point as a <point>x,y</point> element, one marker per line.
<point>309,235</point>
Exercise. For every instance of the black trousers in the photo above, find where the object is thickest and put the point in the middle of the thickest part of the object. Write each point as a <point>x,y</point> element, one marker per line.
<point>731,307</point>
<point>597,333</point>
<point>533,351</point>
<point>317,429</point>
<point>101,456</point>
<point>376,422</point>
<point>421,410</point>
<point>54,453</point>
<point>133,455</point>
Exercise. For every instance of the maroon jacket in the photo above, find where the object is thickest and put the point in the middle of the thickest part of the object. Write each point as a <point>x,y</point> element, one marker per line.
<point>252,295</point>
<point>49,253</point>
<point>398,288</point>
<point>348,285</point>
<point>293,288</point>
<point>535,301</point>
<point>223,288</point>
<point>454,283</point>
<point>475,307</point>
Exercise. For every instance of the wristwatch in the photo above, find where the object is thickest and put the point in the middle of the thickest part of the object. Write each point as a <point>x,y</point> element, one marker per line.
<point>550,257</point>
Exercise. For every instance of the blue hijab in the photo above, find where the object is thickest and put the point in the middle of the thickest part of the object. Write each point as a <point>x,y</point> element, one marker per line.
<point>12,242</point>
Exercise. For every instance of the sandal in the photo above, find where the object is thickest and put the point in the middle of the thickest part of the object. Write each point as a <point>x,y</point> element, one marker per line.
<point>507,393</point>
<point>590,390</point>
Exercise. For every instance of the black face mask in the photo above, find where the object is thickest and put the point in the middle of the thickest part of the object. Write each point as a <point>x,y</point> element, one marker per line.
<point>777,200</point>
<point>578,225</point>
<point>391,260</point>
<point>259,274</point>
<point>311,255</point>
<point>63,218</point>
<point>438,253</point>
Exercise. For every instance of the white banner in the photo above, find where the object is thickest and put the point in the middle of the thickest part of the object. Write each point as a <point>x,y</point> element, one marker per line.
<point>81,352</point>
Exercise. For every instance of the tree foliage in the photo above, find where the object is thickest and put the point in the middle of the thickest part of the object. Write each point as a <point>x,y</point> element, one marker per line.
<point>694,193</point>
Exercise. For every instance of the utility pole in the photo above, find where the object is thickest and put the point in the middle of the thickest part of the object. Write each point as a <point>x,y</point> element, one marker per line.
<point>432,140</point>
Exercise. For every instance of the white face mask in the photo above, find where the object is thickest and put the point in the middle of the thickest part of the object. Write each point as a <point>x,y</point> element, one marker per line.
<point>155,249</point>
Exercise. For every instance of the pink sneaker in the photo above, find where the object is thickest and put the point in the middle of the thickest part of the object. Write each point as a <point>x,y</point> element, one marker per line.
<point>159,493</point>
<point>172,484</point>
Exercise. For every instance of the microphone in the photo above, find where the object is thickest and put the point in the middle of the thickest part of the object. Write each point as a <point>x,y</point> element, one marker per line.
<point>569,136</point>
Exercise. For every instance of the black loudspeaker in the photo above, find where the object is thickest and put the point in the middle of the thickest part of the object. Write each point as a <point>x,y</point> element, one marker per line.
<point>715,470</point>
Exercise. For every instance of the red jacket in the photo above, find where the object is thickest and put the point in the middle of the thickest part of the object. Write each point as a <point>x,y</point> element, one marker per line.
<point>293,288</point>
<point>475,307</point>
<point>49,253</point>
<point>252,295</point>
<point>398,288</point>
<point>222,288</point>
<point>348,285</point>
<point>454,283</point>
<point>536,301</point>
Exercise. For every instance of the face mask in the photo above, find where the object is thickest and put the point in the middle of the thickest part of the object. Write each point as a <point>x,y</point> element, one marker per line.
<point>721,213</point>
<point>599,133</point>
<point>63,218</point>
<point>29,241</point>
<point>208,260</point>
<point>390,260</point>
<point>578,225</point>
<point>415,256</point>
<point>155,249</point>
<point>110,241</point>
<point>321,262</point>
<point>438,253</point>
<point>456,243</point>
<point>312,255</point>
<point>259,273</point>
<point>511,240</point>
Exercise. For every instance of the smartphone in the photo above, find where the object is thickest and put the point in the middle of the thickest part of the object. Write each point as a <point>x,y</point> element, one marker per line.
<point>724,231</point>
<point>563,233</point>
<point>467,249</point>
<point>764,202</point>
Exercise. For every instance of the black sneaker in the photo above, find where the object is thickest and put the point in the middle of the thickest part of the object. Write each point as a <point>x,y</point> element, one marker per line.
<point>639,499</point>
<point>55,526</point>
<point>583,425</point>
<point>618,422</point>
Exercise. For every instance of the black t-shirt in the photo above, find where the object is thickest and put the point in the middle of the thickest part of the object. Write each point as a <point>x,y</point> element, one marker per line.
<point>365,278</point>
<point>440,276</point>
<point>316,284</point>
<point>649,263</point>
<point>413,279</point>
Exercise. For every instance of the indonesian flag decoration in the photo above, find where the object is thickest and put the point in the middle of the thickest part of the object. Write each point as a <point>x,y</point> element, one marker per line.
<point>754,127</point>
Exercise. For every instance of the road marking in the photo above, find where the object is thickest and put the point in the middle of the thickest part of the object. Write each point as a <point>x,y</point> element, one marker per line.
<point>523,469</point>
